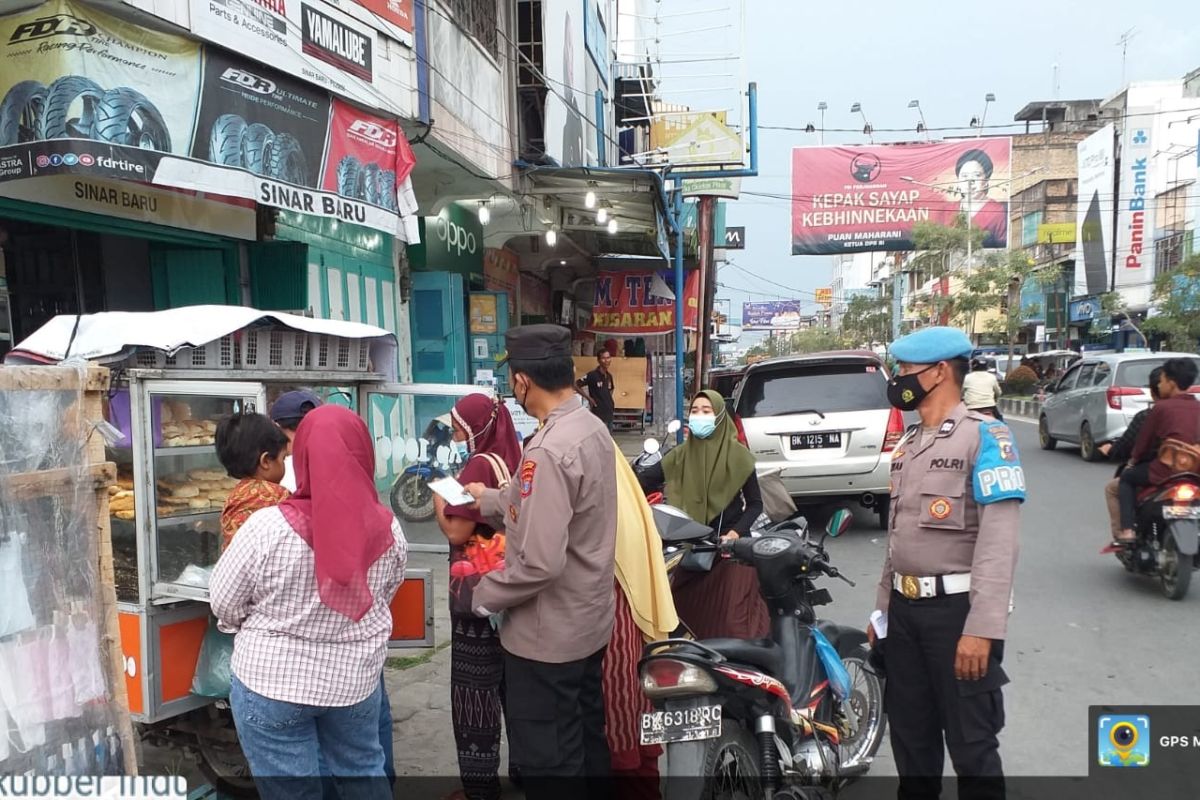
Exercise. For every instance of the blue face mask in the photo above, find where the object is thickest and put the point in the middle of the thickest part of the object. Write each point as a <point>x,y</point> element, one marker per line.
<point>702,427</point>
<point>463,451</point>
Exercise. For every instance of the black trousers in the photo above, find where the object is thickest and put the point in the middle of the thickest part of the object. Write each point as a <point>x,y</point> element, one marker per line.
<point>927,705</point>
<point>556,727</point>
<point>1132,479</point>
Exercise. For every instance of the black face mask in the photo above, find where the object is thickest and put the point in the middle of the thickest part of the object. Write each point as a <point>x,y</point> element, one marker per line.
<point>905,392</point>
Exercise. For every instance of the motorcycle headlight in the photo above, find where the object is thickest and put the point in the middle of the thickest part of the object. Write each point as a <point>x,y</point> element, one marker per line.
<point>668,677</point>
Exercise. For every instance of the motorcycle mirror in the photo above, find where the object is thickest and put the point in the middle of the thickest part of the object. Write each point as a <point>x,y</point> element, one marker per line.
<point>840,522</point>
<point>673,426</point>
<point>651,446</point>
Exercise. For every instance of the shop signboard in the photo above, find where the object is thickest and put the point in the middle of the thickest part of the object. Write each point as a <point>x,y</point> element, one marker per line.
<point>130,103</point>
<point>1096,161</point>
<point>595,38</point>
<point>849,199</point>
<point>771,315</point>
<point>824,295</point>
<point>309,39</point>
<point>627,303</point>
<point>1084,310</point>
<point>502,273</point>
<point>396,12</point>
<point>566,109</point>
<point>1135,210</point>
<point>450,242</point>
<point>1056,233</point>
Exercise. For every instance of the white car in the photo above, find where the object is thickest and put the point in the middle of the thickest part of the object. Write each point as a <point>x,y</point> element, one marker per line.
<point>824,421</point>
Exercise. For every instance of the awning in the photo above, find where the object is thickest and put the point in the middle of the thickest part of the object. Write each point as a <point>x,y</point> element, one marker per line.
<point>115,333</point>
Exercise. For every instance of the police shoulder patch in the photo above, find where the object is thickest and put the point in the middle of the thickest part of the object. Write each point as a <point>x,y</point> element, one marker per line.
<point>998,474</point>
<point>526,474</point>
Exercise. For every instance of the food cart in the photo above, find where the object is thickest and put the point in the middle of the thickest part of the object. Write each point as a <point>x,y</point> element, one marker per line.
<point>175,375</point>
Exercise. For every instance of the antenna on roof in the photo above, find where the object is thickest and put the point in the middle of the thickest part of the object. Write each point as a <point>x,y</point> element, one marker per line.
<point>1124,43</point>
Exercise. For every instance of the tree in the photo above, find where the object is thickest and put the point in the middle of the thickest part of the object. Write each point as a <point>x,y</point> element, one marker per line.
<point>1177,297</point>
<point>867,320</point>
<point>815,340</point>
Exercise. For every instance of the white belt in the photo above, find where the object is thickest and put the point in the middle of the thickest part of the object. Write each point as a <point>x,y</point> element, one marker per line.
<point>917,588</point>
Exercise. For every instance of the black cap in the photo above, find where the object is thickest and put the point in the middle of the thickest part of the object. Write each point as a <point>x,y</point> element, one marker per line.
<point>537,343</point>
<point>291,405</point>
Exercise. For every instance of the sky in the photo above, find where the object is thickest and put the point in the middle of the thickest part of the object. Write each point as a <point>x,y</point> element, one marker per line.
<point>883,54</point>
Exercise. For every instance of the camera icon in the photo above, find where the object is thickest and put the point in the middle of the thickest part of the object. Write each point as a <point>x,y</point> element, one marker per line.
<point>1123,741</point>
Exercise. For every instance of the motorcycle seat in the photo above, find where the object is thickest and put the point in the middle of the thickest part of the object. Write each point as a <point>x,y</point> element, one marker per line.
<point>761,653</point>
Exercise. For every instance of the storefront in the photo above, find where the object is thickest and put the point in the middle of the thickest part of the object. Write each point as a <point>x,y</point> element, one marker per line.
<point>203,178</point>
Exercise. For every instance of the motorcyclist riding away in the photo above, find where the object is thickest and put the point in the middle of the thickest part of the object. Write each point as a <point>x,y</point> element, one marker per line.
<point>1175,416</point>
<point>1122,450</point>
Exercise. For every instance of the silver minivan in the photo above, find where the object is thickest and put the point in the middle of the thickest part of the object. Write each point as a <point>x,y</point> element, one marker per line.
<point>825,422</point>
<point>1096,399</point>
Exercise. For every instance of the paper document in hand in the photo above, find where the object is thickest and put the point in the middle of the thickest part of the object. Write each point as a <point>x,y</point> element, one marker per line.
<point>452,492</point>
<point>879,623</point>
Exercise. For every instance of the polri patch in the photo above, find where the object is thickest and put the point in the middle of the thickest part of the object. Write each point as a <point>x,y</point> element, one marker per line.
<point>940,508</point>
<point>527,470</point>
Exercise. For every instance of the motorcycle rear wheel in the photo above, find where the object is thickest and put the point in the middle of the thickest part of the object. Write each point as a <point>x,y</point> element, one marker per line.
<point>729,768</point>
<point>411,498</point>
<point>864,710</point>
<point>1174,571</point>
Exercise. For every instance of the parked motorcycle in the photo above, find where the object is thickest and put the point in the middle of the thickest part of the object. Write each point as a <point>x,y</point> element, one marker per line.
<point>411,497</point>
<point>1168,535</point>
<point>794,715</point>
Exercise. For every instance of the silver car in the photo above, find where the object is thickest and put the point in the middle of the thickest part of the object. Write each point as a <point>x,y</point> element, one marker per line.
<point>825,422</point>
<point>1096,399</point>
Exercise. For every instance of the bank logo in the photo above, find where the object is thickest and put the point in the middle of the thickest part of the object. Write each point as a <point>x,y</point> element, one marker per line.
<point>373,132</point>
<point>1123,741</point>
<point>53,25</point>
<point>1139,137</point>
<point>248,80</point>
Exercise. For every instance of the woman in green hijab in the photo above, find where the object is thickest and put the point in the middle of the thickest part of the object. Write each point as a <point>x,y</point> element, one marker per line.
<point>711,477</point>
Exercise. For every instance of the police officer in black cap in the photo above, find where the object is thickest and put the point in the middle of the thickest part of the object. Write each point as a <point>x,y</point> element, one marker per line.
<point>556,589</point>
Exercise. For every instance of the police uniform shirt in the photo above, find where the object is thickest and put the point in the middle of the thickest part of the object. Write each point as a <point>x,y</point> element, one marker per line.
<point>560,518</point>
<point>955,508</point>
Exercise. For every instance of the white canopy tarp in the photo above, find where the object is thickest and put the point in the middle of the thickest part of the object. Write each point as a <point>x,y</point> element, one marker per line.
<point>113,333</point>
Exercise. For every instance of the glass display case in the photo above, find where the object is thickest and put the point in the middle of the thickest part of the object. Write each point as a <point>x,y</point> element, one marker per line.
<point>184,487</point>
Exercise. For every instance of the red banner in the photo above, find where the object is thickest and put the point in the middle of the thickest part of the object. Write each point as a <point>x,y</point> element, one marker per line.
<point>854,199</point>
<point>397,12</point>
<point>367,156</point>
<point>632,303</point>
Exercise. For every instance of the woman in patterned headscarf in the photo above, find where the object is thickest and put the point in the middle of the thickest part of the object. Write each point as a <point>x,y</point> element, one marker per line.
<point>486,440</point>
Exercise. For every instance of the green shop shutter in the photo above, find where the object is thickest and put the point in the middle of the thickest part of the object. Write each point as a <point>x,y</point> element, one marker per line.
<point>279,276</point>
<point>192,277</point>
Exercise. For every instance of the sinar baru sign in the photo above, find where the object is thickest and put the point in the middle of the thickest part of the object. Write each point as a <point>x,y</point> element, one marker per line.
<point>858,199</point>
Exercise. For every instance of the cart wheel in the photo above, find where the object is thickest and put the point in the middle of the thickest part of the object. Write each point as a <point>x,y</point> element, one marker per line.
<point>221,760</point>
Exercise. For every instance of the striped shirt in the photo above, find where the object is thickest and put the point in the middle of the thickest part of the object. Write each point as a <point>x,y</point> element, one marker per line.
<point>290,646</point>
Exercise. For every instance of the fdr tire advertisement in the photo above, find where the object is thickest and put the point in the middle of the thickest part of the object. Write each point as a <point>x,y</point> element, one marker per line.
<point>259,120</point>
<point>70,72</point>
<point>368,157</point>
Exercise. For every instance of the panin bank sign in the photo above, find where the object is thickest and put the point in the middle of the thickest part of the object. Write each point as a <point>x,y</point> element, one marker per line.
<point>1135,214</point>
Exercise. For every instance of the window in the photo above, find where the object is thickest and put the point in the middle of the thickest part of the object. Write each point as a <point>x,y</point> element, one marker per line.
<point>478,18</point>
<point>1103,373</point>
<point>827,388</point>
<point>1086,373</point>
<point>1068,381</point>
<point>1029,228</point>
<point>531,60</point>
<point>1169,251</point>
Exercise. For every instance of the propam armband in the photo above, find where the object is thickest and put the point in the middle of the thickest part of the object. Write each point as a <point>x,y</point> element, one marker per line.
<point>998,474</point>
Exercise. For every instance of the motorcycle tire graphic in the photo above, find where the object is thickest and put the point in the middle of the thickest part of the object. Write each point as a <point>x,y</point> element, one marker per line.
<point>370,184</point>
<point>225,140</point>
<point>125,116</point>
<point>257,142</point>
<point>387,190</point>
<point>287,162</point>
<point>21,113</point>
<point>66,94</point>
<point>349,177</point>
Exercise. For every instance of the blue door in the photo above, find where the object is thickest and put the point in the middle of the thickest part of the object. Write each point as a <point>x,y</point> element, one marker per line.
<point>439,333</point>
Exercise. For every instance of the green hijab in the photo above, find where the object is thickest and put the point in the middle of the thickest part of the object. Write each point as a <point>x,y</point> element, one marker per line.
<point>704,475</point>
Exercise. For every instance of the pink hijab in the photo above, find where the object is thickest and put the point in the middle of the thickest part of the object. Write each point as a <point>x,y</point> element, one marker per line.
<point>336,509</point>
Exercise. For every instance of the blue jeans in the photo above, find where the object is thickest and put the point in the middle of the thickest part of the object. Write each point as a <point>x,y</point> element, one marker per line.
<point>284,742</point>
<point>385,741</point>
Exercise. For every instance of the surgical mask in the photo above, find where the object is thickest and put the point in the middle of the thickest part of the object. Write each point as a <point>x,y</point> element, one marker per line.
<point>15,613</point>
<point>702,426</point>
<point>905,392</point>
<point>463,450</point>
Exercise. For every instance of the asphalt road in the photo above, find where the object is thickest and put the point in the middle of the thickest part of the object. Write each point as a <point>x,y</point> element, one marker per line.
<point>1083,632</point>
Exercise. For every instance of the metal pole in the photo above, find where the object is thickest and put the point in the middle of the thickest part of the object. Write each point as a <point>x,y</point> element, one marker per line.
<point>897,305</point>
<point>708,282</point>
<point>680,304</point>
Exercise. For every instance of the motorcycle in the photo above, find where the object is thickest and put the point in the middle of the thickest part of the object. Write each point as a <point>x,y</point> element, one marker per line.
<point>795,715</point>
<point>1168,535</point>
<point>411,497</point>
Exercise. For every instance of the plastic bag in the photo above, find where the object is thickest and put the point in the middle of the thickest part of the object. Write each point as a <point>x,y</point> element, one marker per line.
<point>214,672</point>
<point>15,613</point>
<point>777,503</point>
<point>835,670</point>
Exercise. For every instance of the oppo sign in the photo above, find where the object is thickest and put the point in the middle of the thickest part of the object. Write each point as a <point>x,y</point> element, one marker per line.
<point>457,239</point>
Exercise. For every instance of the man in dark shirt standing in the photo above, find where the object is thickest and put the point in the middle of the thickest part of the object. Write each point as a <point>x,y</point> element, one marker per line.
<point>1175,416</point>
<point>597,386</point>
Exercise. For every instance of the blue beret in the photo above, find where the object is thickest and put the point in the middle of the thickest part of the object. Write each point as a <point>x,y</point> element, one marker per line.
<point>931,345</point>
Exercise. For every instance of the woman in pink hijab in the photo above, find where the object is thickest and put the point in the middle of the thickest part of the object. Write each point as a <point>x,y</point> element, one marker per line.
<point>306,586</point>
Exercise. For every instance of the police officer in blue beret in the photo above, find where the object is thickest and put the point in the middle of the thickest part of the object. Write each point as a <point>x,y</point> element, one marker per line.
<point>946,589</point>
